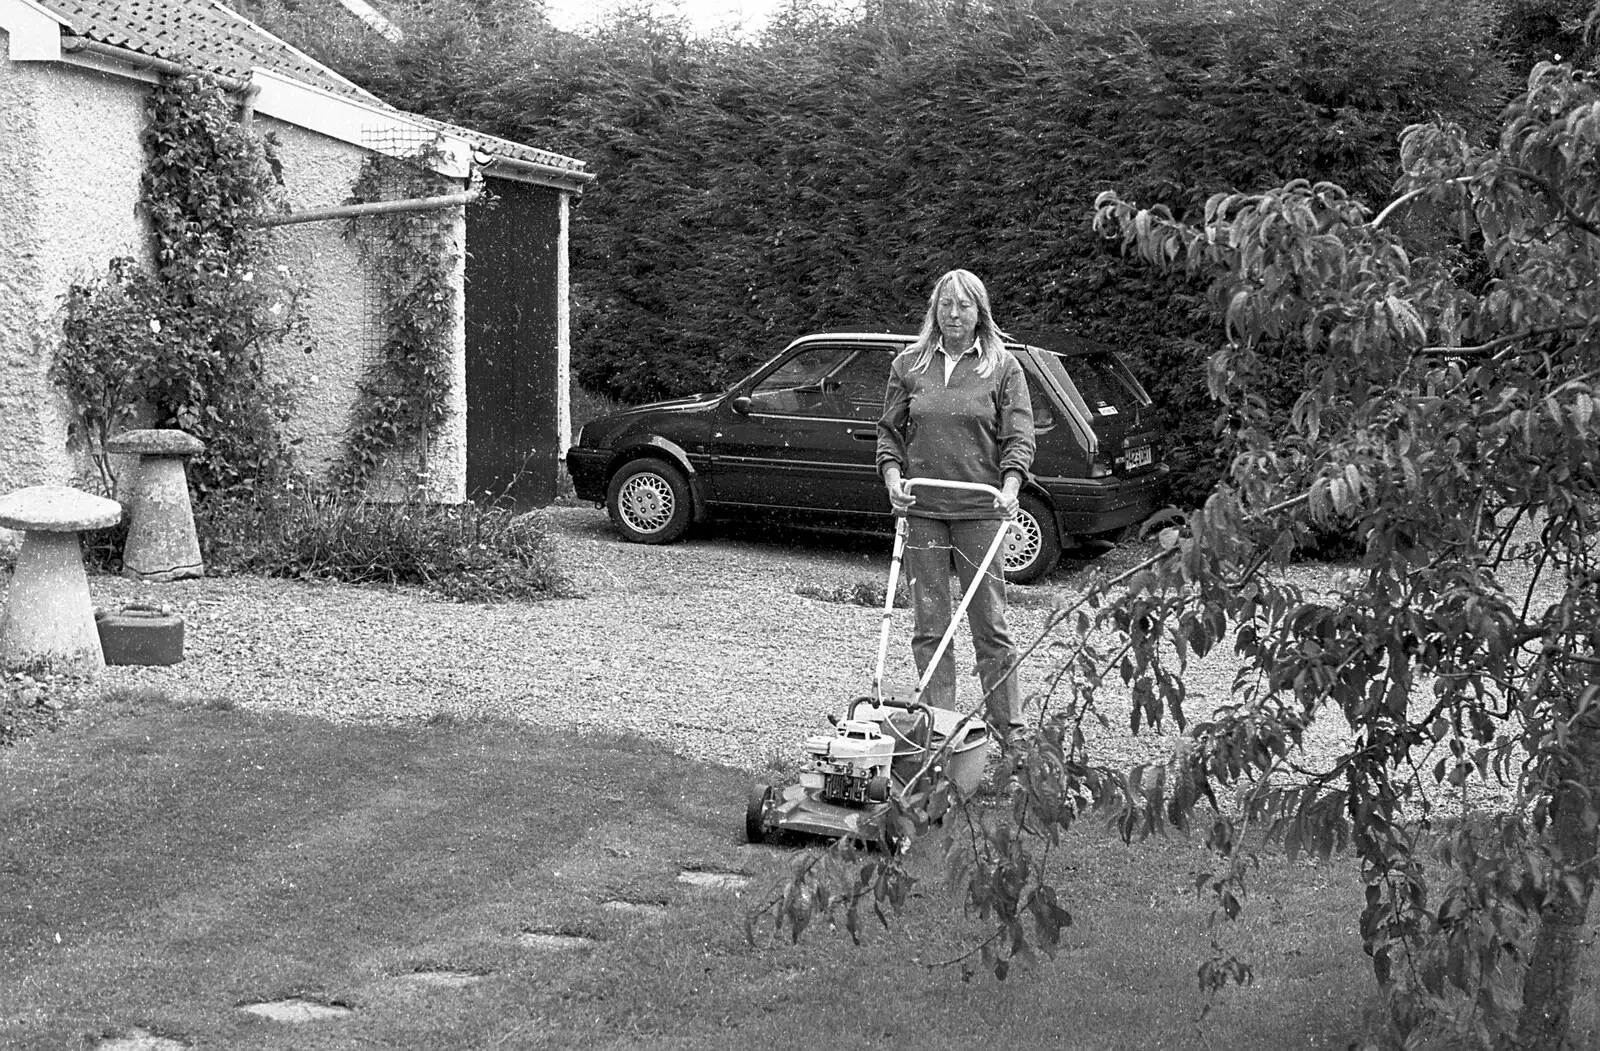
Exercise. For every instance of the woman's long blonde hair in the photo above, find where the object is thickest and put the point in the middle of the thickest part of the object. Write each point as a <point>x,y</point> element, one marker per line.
<point>991,340</point>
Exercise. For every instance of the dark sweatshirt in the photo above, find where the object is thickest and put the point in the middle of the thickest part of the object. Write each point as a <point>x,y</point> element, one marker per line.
<point>973,429</point>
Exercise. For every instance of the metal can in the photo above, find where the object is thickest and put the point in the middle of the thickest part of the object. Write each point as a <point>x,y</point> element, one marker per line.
<point>140,635</point>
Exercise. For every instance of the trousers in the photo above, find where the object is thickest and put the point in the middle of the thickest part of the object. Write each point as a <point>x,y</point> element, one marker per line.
<point>933,548</point>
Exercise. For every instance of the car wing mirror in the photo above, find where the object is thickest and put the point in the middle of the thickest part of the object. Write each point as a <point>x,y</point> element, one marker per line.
<point>741,404</point>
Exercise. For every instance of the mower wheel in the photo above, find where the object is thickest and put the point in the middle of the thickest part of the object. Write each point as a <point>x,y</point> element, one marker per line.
<point>755,813</point>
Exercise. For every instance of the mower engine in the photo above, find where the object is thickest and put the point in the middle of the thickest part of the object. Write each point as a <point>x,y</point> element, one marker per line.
<point>850,766</point>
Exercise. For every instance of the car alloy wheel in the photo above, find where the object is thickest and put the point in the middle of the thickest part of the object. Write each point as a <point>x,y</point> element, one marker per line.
<point>1032,548</point>
<point>649,502</point>
<point>1022,543</point>
<point>646,502</point>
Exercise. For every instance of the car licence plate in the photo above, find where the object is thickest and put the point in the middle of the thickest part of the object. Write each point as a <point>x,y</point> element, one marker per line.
<point>1139,457</point>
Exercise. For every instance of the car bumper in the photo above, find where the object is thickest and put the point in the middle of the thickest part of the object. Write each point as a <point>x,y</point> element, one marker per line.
<point>587,469</point>
<point>1099,505</point>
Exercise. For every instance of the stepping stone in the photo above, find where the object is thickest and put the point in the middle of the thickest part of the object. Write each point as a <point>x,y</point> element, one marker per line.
<point>718,880</point>
<point>442,979</point>
<point>139,1040</point>
<point>297,1010</point>
<point>547,940</point>
<point>643,909</point>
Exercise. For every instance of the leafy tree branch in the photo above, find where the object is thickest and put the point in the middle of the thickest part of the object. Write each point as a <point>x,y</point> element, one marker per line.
<point>1456,659</point>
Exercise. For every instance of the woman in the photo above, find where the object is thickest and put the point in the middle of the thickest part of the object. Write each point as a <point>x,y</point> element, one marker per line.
<point>956,408</point>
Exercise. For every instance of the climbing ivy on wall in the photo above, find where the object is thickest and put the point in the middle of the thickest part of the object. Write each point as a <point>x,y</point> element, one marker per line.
<point>412,255</point>
<point>181,342</point>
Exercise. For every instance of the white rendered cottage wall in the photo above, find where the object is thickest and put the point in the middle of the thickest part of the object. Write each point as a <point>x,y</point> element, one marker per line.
<point>70,161</point>
<point>319,171</point>
<point>345,322</point>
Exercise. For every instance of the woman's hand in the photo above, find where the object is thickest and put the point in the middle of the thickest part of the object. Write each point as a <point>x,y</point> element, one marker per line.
<point>900,496</point>
<point>1007,500</point>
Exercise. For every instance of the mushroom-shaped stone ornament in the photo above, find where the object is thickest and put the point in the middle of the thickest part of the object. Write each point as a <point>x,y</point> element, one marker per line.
<point>48,617</point>
<point>162,545</point>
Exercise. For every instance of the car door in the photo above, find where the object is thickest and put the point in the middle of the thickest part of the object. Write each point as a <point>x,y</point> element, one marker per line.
<point>807,436</point>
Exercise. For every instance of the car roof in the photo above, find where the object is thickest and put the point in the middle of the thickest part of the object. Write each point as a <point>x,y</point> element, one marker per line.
<point>1063,343</point>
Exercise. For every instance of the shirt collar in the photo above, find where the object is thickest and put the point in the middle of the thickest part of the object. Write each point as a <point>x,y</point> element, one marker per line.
<point>970,350</point>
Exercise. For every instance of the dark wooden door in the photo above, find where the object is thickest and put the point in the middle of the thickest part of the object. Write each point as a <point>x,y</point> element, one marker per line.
<point>513,430</point>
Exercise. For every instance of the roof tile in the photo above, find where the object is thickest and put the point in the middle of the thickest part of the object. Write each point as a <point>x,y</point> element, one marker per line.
<point>208,36</point>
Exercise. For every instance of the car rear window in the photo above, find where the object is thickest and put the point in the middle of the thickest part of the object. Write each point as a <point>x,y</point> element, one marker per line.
<point>1100,381</point>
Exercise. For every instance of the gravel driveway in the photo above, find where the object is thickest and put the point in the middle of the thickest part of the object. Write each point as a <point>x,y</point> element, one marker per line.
<point>704,644</point>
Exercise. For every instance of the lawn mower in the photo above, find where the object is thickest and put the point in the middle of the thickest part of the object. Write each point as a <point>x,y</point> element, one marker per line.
<point>887,742</point>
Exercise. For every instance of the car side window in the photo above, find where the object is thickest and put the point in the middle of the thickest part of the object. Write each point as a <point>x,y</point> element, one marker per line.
<point>1044,413</point>
<point>829,381</point>
<point>860,383</point>
<point>796,387</point>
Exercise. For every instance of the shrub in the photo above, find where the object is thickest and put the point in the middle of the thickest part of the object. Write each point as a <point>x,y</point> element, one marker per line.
<point>466,552</point>
<point>103,548</point>
<point>589,405</point>
<point>869,593</point>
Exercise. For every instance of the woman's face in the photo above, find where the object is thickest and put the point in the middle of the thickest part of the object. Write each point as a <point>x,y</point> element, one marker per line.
<point>957,315</point>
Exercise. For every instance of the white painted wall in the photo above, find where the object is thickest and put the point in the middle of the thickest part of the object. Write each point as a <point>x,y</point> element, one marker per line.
<point>70,160</point>
<point>342,304</point>
<point>69,181</point>
<point>322,368</point>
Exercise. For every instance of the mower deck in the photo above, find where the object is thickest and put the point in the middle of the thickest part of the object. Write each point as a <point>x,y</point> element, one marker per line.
<point>799,810</point>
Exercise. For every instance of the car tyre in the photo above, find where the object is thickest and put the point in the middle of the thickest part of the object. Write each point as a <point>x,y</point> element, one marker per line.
<point>649,502</point>
<point>1034,548</point>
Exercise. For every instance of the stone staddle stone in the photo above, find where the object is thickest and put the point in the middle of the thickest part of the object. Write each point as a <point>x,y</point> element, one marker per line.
<point>57,509</point>
<point>48,617</point>
<point>162,545</point>
<point>157,442</point>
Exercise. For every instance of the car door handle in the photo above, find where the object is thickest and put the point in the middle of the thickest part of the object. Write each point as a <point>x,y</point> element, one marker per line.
<point>864,435</point>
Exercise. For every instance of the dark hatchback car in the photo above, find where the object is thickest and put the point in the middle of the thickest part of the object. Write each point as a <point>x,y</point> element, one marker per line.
<point>797,439</point>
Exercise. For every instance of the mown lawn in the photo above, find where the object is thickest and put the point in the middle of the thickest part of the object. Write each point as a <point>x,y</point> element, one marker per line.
<point>161,867</point>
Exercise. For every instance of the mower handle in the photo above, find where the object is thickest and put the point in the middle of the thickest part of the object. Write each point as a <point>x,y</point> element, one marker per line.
<point>886,702</point>
<point>941,483</point>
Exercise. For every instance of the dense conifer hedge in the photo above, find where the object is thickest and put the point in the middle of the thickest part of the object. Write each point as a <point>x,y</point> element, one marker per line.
<point>824,174</point>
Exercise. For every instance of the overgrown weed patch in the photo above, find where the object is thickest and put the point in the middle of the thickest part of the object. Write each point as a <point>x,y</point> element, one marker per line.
<point>467,552</point>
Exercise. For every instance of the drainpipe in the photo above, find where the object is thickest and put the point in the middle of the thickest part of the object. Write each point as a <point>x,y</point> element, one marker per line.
<point>247,102</point>
<point>352,211</point>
